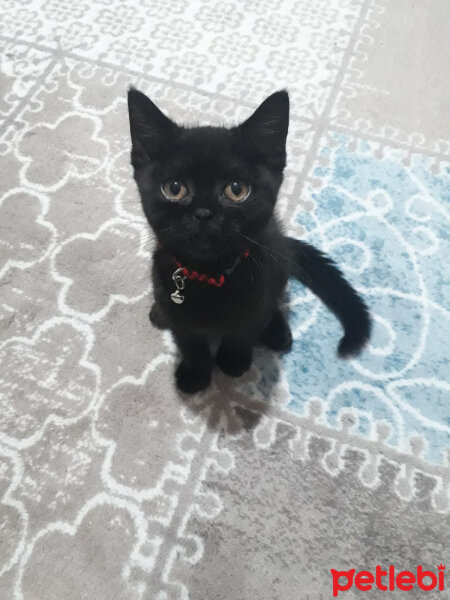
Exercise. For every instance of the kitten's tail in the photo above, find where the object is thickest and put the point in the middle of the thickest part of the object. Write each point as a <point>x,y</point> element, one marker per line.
<point>319,273</point>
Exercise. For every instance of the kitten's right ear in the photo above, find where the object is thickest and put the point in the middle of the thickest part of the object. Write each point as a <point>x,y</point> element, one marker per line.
<point>151,131</point>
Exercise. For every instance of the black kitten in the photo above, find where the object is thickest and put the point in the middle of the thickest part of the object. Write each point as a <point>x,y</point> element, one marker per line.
<point>222,263</point>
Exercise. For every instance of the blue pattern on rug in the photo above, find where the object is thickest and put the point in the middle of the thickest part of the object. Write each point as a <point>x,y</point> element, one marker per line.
<point>386,223</point>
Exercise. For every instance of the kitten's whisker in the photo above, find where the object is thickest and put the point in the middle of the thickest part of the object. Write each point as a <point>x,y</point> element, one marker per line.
<point>256,262</point>
<point>268,250</point>
<point>289,259</point>
<point>251,271</point>
<point>156,231</point>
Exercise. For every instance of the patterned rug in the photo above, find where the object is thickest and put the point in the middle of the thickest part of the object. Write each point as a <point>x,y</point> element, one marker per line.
<point>112,485</point>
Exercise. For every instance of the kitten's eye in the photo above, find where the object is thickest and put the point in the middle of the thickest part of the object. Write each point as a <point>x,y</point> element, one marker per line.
<point>174,190</point>
<point>237,191</point>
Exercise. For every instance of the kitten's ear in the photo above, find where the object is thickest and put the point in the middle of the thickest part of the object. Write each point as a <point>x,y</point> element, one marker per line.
<point>265,131</point>
<point>151,131</point>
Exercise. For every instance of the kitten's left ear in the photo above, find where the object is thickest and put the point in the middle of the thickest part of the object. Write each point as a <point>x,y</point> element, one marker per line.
<point>151,131</point>
<point>265,132</point>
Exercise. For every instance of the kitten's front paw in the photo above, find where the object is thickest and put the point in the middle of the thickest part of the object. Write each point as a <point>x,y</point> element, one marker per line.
<point>192,379</point>
<point>235,363</point>
<point>158,318</point>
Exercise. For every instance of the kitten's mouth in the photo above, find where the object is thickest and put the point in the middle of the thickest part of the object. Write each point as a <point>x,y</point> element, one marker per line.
<point>207,244</point>
<point>199,246</point>
<point>204,239</point>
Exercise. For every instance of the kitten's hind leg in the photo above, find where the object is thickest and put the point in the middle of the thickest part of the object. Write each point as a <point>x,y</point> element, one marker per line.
<point>234,356</point>
<point>277,334</point>
<point>157,317</point>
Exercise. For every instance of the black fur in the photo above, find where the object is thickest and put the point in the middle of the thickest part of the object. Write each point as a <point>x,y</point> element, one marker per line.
<point>245,310</point>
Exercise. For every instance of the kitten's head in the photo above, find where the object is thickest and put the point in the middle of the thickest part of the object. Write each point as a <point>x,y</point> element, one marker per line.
<point>206,190</point>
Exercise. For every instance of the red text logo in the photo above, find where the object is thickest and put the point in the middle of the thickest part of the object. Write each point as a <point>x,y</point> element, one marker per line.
<point>388,580</point>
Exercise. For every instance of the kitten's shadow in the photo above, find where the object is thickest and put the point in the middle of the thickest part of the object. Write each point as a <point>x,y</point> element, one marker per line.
<point>232,405</point>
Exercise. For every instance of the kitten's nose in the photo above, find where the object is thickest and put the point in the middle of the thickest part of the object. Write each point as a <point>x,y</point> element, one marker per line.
<point>202,214</point>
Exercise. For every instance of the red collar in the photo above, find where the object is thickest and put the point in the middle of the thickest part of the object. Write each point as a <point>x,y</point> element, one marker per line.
<point>219,281</point>
<point>216,281</point>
